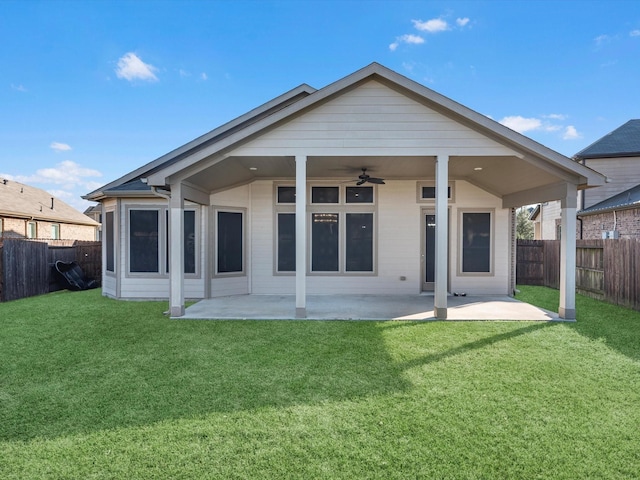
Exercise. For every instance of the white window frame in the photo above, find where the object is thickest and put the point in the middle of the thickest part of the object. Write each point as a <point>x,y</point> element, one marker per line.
<point>29,226</point>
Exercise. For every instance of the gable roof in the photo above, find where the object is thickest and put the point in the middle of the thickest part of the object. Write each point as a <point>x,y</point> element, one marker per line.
<point>131,181</point>
<point>627,199</point>
<point>624,141</point>
<point>259,120</point>
<point>18,200</point>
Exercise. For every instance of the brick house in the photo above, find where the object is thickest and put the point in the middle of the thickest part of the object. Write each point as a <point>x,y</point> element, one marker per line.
<point>29,212</point>
<point>612,207</point>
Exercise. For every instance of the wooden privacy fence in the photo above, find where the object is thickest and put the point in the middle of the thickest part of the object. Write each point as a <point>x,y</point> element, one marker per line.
<point>26,266</point>
<point>605,269</point>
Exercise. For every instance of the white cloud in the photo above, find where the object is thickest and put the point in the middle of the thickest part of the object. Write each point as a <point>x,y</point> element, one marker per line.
<point>203,76</point>
<point>434,25</point>
<point>130,67</point>
<point>184,73</point>
<point>570,133</point>
<point>556,116</point>
<point>521,124</point>
<point>601,39</point>
<point>18,88</point>
<point>69,174</point>
<point>408,38</point>
<point>462,22</point>
<point>635,33</point>
<point>60,147</point>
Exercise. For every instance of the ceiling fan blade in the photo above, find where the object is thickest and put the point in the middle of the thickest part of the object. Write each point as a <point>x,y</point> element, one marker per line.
<point>377,181</point>
<point>360,182</point>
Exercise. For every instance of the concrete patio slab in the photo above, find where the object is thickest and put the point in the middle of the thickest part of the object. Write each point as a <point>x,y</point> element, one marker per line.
<point>366,307</point>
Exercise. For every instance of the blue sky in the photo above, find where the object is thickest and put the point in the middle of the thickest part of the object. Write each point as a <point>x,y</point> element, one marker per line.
<point>90,90</point>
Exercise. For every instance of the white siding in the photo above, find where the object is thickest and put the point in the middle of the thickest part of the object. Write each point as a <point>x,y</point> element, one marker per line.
<point>471,197</point>
<point>239,197</point>
<point>399,239</point>
<point>379,121</point>
<point>549,213</point>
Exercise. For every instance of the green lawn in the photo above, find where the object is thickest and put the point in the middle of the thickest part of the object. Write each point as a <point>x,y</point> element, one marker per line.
<point>97,388</point>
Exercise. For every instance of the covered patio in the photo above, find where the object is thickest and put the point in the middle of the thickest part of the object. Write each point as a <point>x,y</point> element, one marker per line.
<point>367,307</point>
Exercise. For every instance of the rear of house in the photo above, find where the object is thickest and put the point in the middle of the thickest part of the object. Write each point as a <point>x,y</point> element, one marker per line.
<point>372,185</point>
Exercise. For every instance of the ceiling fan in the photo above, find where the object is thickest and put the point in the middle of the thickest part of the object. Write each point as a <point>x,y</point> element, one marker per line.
<point>364,178</point>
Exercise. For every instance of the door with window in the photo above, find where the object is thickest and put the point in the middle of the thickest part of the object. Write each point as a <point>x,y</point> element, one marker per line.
<point>428,250</point>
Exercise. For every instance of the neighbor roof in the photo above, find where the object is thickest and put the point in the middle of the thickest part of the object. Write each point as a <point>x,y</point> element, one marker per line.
<point>627,199</point>
<point>624,141</point>
<point>23,201</point>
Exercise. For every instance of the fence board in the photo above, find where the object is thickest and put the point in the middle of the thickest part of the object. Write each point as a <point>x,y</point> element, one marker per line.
<point>26,266</point>
<point>25,269</point>
<point>607,270</point>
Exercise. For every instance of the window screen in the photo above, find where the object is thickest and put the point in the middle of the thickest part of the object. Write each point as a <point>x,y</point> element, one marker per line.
<point>359,242</point>
<point>143,241</point>
<point>476,242</point>
<point>359,194</point>
<point>109,240</point>
<point>286,242</point>
<point>325,194</point>
<point>324,242</point>
<point>230,242</point>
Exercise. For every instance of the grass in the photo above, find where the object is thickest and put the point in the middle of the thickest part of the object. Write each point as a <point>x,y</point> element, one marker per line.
<point>96,388</point>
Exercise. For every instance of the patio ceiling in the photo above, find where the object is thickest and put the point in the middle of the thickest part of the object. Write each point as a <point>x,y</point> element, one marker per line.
<point>498,175</point>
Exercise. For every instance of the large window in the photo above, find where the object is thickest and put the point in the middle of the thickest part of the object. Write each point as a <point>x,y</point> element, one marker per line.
<point>144,245</point>
<point>229,242</point>
<point>286,253</point>
<point>359,242</point>
<point>340,231</point>
<point>476,242</point>
<point>110,241</point>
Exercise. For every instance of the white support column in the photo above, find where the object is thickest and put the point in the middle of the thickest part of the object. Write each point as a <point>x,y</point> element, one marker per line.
<point>567,308</point>
<point>176,252</point>
<point>301,236</point>
<point>442,237</point>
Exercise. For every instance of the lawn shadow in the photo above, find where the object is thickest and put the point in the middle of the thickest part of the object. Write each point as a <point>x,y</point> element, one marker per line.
<point>475,345</point>
<point>94,376</point>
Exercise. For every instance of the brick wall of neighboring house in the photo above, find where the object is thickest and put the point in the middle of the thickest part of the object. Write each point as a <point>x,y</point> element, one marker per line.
<point>17,228</point>
<point>626,222</point>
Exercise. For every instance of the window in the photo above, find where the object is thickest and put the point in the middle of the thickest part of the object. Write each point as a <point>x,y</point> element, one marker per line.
<point>32,230</point>
<point>476,242</point>
<point>110,241</point>
<point>359,242</point>
<point>359,194</point>
<point>427,192</point>
<point>55,231</point>
<point>230,242</point>
<point>286,252</point>
<point>325,194</point>
<point>324,242</point>
<point>144,245</point>
<point>340,231</point>
<point>286,194</point>
<point>1,228</point>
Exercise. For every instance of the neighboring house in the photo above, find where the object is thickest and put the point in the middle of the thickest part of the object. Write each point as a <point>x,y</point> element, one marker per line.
<point>95,212</point>
<point>617,156</point>
<point>29,212</point>
<point>277,202</point>
<point>615,217</point>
